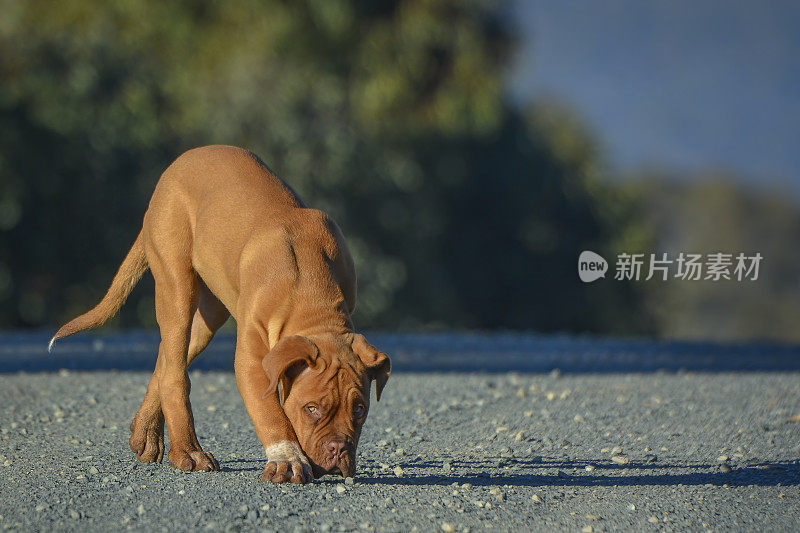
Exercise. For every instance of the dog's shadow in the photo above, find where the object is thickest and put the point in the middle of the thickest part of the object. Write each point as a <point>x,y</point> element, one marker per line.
<point>546,472</point>
<point>258,465</point>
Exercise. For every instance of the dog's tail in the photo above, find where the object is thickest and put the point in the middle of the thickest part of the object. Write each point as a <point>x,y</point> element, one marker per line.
<point>128,275</point>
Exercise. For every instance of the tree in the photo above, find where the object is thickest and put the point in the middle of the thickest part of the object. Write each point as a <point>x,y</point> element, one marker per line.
<point>392,116</point>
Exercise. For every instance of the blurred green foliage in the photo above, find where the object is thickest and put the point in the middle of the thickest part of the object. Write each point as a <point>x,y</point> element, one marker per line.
<point>461,209</point>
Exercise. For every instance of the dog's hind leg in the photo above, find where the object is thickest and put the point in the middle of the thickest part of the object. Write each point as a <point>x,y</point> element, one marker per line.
<point>177,294</point>
<point>147,428</point>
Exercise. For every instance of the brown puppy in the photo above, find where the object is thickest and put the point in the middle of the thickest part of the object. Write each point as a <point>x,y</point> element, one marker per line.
<point>224,236</point>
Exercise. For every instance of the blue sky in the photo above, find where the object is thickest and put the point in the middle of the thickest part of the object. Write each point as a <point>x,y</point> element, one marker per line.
<point>683,85</point>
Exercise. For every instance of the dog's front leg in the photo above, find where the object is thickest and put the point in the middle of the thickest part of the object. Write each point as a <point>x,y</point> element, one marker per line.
<point>285,459</point>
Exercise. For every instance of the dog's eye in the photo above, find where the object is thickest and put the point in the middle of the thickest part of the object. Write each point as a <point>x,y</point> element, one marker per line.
<point>359,411</point>
<point>312,409</point>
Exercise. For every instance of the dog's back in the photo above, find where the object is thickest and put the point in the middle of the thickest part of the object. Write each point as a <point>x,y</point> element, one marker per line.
<point>223,203</point>
<point>225,179</point>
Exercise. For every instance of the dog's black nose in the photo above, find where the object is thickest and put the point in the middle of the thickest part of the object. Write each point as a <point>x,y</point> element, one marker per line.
<point>336,448</point>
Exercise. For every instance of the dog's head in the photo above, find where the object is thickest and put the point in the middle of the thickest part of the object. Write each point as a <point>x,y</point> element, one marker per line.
<point>324,386</point>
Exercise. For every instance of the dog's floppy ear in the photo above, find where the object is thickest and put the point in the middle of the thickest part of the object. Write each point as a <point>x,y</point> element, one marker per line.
<point>285,361</point>
<point>378,364</point>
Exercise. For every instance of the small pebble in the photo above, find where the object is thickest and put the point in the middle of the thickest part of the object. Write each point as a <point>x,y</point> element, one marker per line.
<point>93,470</point>
<point>74,514</point>
<point>537,499</point>
<point>587,529</point>
<point>448,527</point>
<point>497,493</point>
<point>340,489</point>
<point>590,468</point>
<point>616,450</point>
<point>724,469</point>
<point>653,520</point>
<point>398,471</point>
<point>141,510</point>
<point>349,481</point>
<point>620,459</point>
<point>722,458</point>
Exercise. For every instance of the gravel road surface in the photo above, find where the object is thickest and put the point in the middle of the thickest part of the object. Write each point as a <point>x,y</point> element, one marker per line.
<point>608,443</point>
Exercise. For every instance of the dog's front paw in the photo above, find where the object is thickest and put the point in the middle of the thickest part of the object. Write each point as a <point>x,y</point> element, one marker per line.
<point>287,462</point>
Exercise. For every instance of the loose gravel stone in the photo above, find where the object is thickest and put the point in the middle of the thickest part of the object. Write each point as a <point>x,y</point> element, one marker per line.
<point>41,487</point>
<point>621,459</point>
<point>497,493</point>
